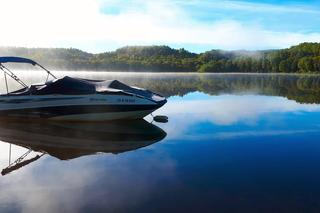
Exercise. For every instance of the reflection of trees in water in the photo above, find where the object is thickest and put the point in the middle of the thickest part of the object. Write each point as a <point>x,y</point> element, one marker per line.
<point>303,89</point>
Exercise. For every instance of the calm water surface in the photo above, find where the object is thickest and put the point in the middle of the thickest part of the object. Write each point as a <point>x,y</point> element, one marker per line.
<point>233,143</point>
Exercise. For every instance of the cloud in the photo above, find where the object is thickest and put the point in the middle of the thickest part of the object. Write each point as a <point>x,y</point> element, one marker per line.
<point>251,6</point>
<point>88,24</point>
<point>230,135</point>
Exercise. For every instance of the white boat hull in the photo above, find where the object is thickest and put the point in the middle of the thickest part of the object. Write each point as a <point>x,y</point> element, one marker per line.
<point>96,107</point>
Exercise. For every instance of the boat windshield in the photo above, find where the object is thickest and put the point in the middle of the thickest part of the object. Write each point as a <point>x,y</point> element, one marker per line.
<point>9,73</point>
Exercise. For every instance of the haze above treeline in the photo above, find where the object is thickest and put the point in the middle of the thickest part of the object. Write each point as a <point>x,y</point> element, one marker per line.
<point>302,58</point>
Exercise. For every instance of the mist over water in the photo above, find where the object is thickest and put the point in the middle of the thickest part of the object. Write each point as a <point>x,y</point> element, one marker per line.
<point>233,143</point>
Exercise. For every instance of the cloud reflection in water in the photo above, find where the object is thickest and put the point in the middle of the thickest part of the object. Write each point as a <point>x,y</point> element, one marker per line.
<point>240,111</point>
<point>187,165</point>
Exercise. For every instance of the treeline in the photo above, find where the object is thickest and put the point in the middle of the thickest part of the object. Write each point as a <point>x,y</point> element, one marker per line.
<point>303,58</point>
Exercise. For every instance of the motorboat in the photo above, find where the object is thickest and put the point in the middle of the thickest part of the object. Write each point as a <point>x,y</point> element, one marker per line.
<point>75,99</point>
<point>70,140</point>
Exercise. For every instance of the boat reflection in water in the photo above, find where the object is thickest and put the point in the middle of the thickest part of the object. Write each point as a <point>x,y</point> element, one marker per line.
<point>68,140</point>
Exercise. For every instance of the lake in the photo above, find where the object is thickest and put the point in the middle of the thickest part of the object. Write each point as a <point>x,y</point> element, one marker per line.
<point>233,143</point>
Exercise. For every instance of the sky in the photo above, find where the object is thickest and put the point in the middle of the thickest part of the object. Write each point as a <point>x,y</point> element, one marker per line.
<point>196,25</point>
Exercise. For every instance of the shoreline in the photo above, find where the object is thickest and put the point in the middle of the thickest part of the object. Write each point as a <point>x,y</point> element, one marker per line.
<point>170,73</point>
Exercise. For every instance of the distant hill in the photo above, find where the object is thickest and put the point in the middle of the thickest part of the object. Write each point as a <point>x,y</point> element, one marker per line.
<point>303,58</point>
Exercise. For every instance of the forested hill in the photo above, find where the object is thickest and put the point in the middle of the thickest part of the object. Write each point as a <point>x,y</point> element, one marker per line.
<point>302,58</point>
